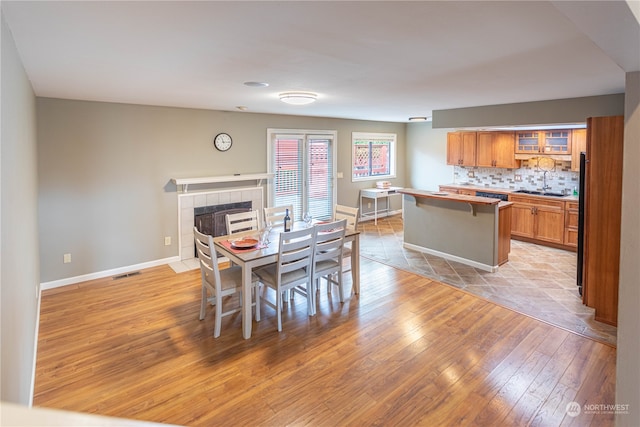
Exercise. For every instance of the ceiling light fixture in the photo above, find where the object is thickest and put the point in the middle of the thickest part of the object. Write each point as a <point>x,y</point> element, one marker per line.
<point>419,119</point>
<point>298,98</point>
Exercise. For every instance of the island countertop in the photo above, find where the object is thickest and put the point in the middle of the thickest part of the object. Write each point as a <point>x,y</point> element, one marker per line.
<point>443,195</point>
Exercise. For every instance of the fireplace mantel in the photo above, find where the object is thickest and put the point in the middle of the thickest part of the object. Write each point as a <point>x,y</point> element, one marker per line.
<point>225,178</point>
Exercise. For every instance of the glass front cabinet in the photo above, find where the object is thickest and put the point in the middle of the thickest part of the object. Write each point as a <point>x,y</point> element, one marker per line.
<point>548,142</point>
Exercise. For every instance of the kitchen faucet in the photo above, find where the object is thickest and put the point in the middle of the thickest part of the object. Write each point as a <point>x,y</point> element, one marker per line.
<point>545,187</point>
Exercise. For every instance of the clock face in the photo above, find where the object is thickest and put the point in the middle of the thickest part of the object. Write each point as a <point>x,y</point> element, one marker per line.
<point>222,141</point>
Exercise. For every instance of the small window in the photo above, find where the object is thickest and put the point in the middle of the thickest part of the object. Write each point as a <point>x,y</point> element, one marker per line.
<point>373,156</point>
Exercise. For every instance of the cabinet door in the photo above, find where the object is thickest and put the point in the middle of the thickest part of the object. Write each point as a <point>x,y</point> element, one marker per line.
<point>549,225</point>
<point>557,142</point>
<point>484,149</point>
<point>504,155</point>
<point>468,149</point>
<point>522,220</point>
<point>528,142</point>
<point>578,145</point>
<point>454,148</point>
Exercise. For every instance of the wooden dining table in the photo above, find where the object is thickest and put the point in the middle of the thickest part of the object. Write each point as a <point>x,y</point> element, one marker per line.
<point>256,257</point>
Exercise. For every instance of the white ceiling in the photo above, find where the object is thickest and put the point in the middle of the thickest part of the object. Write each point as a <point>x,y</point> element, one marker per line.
<point>382,61</point>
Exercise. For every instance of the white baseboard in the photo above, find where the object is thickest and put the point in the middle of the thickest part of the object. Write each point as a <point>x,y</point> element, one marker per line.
<point>106,273</point>
<point>472,263</point>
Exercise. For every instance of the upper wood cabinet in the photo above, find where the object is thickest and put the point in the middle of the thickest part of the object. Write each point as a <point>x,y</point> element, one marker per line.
<point>543,142</point>
<point>495,149</point>
<point>461,148</point>
<point>578,145</point>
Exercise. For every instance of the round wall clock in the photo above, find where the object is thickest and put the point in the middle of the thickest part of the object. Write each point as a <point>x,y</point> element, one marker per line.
<point>222,141</point>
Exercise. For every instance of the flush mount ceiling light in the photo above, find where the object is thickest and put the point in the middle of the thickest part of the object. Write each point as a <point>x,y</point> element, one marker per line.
<point>419,119</point>
<point>298,98</point>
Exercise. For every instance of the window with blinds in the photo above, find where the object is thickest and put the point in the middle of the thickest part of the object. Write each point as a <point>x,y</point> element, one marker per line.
<point>373,156</point>
<point>303,164</point>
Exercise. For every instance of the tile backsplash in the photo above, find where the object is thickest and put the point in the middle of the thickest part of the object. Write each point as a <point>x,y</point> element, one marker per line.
<point>561,180</point>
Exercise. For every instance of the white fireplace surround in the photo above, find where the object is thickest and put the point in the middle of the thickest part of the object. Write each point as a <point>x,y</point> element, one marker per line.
<point>187,202</point>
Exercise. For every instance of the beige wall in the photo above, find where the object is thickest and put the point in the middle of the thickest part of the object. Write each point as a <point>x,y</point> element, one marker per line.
<point>20,276</point>
<point>628,370</point>
<point>427,157</point>
<point>105,170</point>
<point>572,110</point>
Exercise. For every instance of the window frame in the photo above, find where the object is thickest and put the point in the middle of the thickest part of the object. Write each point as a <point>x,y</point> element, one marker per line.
<point>391,138</point>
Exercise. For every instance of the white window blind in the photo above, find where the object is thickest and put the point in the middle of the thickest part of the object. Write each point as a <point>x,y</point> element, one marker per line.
<point>304,172</point>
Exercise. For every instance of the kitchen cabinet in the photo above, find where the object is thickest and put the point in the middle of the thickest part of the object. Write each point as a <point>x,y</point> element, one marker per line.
<point>571,224</point>
<point>603,211</point>
<point>578,145</point>
<point>538,219</point>
<point>496,149</point>
<point>544,142</point>
<point>461,148</point>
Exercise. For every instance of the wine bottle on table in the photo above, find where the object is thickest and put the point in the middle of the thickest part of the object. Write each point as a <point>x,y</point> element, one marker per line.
<point>287,221</point>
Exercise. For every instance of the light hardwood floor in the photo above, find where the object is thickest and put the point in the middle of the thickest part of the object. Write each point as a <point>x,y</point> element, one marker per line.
<point>407,351</point>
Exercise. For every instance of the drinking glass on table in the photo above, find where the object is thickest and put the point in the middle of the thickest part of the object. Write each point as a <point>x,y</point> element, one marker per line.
<point>264,237</point>
<point>307,219</point>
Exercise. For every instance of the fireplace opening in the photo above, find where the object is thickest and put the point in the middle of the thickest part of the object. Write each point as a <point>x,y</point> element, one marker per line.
<point>211,219</point>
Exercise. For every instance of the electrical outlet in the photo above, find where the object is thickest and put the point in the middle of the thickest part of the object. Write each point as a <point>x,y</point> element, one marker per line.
<point>340,175</point>
<point>167,241</point>
<point>517,178</point>
<point>66,258</point>
<point>369,205</point>
<point>471,174</point>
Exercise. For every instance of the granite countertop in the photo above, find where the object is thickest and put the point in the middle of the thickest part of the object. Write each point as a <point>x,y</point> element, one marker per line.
<point>508,191</point>
<point>449,196</point>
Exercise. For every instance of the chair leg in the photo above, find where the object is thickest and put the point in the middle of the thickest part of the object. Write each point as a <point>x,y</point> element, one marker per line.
<point>256,291</point>
<point>279,309</point>
<point>218,322</point>
<point>203,303</point>
<point>340,287</point>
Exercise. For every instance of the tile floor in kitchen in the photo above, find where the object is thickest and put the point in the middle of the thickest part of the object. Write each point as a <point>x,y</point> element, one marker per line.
<point>538,281</point>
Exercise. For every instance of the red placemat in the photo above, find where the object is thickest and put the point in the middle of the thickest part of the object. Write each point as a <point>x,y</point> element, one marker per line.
<point>227,244</point>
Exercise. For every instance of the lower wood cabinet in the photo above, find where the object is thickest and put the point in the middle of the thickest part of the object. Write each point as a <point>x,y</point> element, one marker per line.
<point>538,219</point>
<point>571,224</point>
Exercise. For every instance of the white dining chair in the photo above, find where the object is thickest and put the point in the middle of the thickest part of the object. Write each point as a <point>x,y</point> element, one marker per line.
<point>242,221</point>
<point>351,215</point>
<point>327,258</point>
<point>218,284</point>
<point>275,215</point>
<point>292,271</point>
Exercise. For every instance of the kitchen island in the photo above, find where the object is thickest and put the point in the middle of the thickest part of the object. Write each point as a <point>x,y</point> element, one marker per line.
<point>467,229</point>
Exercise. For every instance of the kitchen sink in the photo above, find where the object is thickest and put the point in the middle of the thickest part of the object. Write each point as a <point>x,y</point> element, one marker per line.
<point>539,193</point>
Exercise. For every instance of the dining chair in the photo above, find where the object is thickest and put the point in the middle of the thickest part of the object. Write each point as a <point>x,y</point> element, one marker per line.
<point>242,221</point>
<point>351,215</point>
<point>218,284</point>
<point>292,271</point>
<point>327,257</point>
<point>275,215</point>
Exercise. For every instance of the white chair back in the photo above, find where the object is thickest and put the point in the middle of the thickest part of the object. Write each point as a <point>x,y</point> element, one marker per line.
<point>243,221</point>
<point>275,215</point>
<point>348,213</point>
